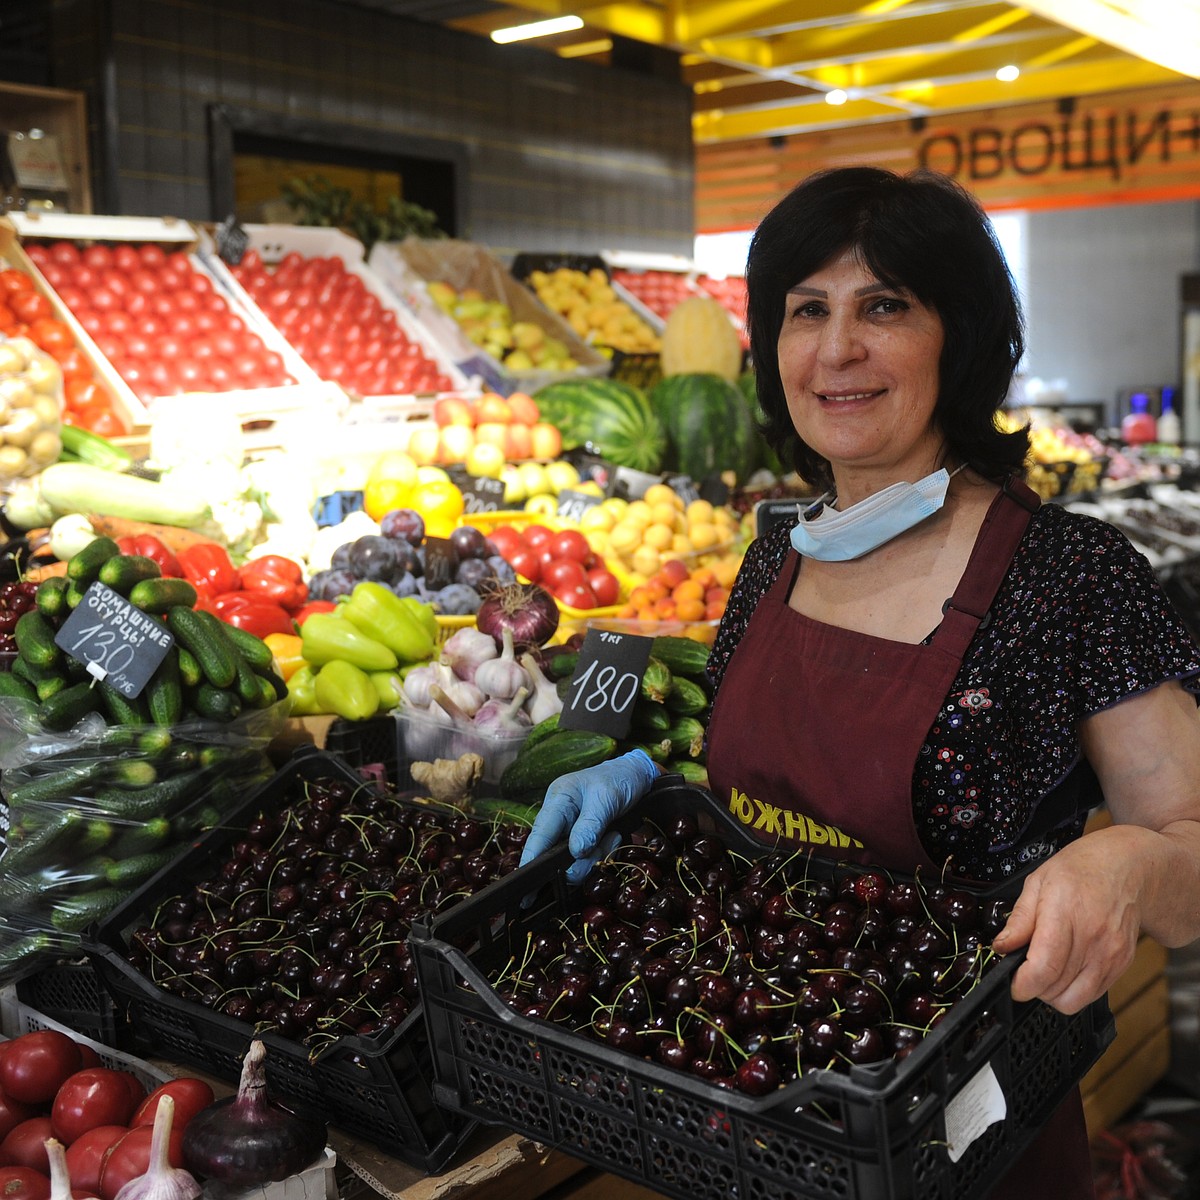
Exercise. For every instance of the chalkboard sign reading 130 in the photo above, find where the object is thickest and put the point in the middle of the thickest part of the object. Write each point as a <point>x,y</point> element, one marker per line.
<point>120,645</point>
<point>606,682</point>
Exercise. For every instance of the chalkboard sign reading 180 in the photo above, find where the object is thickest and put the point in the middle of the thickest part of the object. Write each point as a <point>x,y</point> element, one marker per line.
<point>606,682</point>
<point>119,644</point>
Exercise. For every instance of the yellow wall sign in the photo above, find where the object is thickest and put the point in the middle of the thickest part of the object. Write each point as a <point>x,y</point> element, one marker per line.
<point>1124,147</point>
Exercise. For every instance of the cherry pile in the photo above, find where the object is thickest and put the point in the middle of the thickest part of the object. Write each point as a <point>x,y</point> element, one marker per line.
<point>748,974</point>
<point>15,599</point>
<point>302,929</point>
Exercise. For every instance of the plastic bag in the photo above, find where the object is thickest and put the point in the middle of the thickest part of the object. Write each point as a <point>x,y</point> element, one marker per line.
<point>30,409</point>
<point>1143,1160</point>
<point>90,815</point>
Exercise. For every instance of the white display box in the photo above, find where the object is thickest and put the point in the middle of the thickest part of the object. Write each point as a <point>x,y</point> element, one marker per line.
<point>249,404</point>
<point>317,1182</point>
<point>272,242</point>
<point>407,267</point>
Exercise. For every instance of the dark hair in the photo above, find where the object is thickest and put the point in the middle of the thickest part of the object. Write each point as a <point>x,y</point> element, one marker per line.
<point>921,231</point>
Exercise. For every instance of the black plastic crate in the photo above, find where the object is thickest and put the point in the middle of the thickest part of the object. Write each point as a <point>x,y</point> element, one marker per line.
<point>365,743</point>
<point>378,1089</point>
<point>878,1131</point>
<point>526,262</point>
<point>70,992</point>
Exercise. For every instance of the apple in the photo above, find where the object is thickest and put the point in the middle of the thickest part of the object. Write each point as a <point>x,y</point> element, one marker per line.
<point>546,440</point>
<point>492,431</point>
<point>493,407</point>
<point>524,408</point>
<point>486,460</point>
<point>518,442</point>
<point>456,442</point>
<point>452,410</point>
<point>424,445</point>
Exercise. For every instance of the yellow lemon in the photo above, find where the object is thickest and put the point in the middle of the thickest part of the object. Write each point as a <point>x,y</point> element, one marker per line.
<point>646,560</point>
<point>615,505</point>
<point>441,504</point>
<point>681,544</point>
<point>625,538</point>
<point>431,474</point>
<point>657,535</point>
<point>598,518</point>
<point>704,535</point>
<point>639,513</point>
<point>700,510</point>
<point>659,493</point>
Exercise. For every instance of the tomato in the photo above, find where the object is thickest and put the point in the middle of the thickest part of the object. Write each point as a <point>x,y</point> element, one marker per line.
<point>99,258</point>
<point>52,336</point>
<point>86,1153</point>
<point>570,543</point>
<point>78,393</point>
<point>12,1114</point>
<point>87,1054</point>
<point>151,255</point>
<point>91,1097</point>
<point>524,560</point>
<point>22,1183</point>
<point>24,1145</point>
<point>190,1095</point>
<point>30,306</point>
<point>605,585</point>
<point>506,539</point>
<point>126,258</point>
<point>129,1157</point>
<point>575,595</point>
<point>12,280</point>
<point>106,424</point>
<point>536,536</point>
<point>75,298</point>
<point>104,299</point>
<point>562,573</point>
<point>66,253</point>
<point>36,1065</point>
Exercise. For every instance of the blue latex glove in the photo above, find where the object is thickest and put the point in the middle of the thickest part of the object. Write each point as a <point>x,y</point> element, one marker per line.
<point>584,804</point>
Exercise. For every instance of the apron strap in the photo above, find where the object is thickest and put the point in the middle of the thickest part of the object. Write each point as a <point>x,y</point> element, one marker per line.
<point>1001,532</point>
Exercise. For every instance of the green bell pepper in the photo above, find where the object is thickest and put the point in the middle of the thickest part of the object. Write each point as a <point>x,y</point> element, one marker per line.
<point>381,614</point>
<point>330,637</point>
<point>302,692</point>
<point>387,684</point>
<point>345,690</point>
<point>424,614</point>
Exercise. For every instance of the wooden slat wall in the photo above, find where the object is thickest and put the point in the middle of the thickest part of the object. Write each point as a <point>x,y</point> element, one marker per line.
<point>1122,147</point>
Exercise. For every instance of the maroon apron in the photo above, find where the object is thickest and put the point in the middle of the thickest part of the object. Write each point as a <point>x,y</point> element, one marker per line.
<point>814,738</point>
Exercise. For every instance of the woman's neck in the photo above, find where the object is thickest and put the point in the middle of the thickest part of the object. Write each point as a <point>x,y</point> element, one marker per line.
<point>852,486</point>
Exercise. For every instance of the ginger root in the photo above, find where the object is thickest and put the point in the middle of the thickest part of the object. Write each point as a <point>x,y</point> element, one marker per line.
<point>450,780</point>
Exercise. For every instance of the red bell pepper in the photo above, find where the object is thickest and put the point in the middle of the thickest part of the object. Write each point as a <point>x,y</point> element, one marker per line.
<point>313,606</point>
<point>150,547</point>
<point>243,610</point>
<point>274,578</point>
<point>208,568</point>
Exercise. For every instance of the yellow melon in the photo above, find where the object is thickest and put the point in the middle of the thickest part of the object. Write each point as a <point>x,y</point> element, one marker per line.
<point>700,339</point>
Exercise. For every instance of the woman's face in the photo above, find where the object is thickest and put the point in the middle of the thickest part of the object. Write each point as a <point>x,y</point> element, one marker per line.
<point>859,365</point>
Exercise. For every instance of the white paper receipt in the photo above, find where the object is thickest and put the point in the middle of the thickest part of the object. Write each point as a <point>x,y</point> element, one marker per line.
<point>979,1104</point>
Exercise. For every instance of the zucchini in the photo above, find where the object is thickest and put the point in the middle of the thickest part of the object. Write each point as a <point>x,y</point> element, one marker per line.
<point>124,570</point>
<point>79,487</point>
<point>88,447</point>
<point>213,652</point>
<point>84,568</point>
<point>682,656</point>
<point>51,596</point>
<point>158,595</point>
<point>563,751</point>
<point>71,704</point>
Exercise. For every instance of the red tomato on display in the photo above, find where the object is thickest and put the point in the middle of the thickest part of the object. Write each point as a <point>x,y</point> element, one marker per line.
<point>561,573</point>
<point>129,1157</point>
<point>92,1097</point>
<point>605,585</point>
<point>12,1114</point>
<point>190,1096</point>
<point>575,595</point>
<point>570,543</point>
<point>36,1064</point>
<point>22,1183</point>
<point>24,1145</point>
<point>86,1153</point>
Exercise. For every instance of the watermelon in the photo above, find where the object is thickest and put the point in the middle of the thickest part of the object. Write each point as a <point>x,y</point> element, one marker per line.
<point>710,427</point>
<point>615,417</point>
<point>765,456</point>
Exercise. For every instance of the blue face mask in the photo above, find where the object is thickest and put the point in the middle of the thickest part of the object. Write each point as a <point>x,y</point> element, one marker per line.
<point>833,536</point>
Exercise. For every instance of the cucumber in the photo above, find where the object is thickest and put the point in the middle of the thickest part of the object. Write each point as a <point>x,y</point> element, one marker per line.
<point>248,683</point>
<point>51,685</point>
<point>15,688</point>
<point>562,665</point>
<point>686,736</point>
<point>161,799</point>
<point>25,949</point>
<point>144,837</point>
<point>164,692</point>
<point>51,597</point>
<point>214,653</point>
<point>84,568</point>
<point>650,717</point>
<point>558,754</point>
<point>125,570</point>
<point>254,650</point>
<point>57,786</point>
<point>158,595</point>
<point>217,704</point>
<point>542,729</point>
<point>130,871</point>
<point>686,697</point>
<point>691,770</point>
<point>75,913</point>
<point>682,656</point>
<point>35,640</point>
<point>61,711</point>
<point>44,844</point>
<point>121,710</point>
<point>190,674</point>
<point>656,680</point>
<point>132,773</point>
<point>657,751</point>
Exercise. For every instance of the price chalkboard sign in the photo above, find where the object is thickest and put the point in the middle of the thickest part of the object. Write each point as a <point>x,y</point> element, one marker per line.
<point>482,495</point>
<point>441,562</point>
<point>606,682</point>
<point>769,513</point>
<point>120,645</point>
<point>629,484</point>
<point>572,505</point>
<point>684,486</point>
<point>232,241</point>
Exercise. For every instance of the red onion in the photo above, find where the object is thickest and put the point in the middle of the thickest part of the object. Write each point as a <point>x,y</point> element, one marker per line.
<point>248,1139</point>
<point>527,610</point>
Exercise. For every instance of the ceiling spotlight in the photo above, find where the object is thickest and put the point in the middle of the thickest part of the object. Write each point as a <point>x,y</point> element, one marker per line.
<point>837,96</point>
<point>1008,74</point>
<point>519,33</point>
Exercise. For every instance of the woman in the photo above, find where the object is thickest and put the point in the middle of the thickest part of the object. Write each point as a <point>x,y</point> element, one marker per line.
<point>931,670</point>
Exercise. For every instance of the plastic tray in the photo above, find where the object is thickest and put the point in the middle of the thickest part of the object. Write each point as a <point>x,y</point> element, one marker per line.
<point>378,1089</point>
<point>878,1132</point>
<point>71,993</point>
